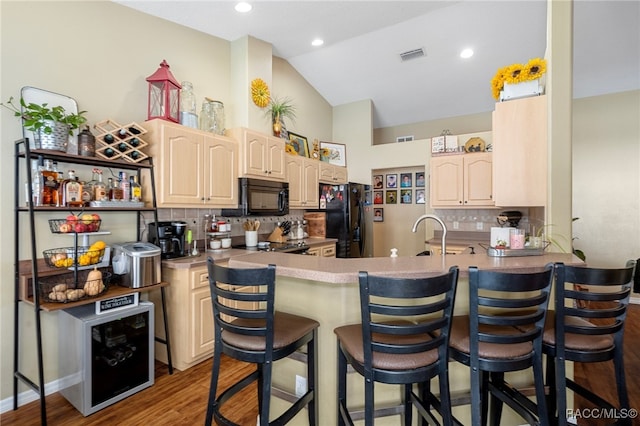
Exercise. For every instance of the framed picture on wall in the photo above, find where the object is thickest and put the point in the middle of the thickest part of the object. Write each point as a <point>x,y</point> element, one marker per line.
<point>392,197</point>
<point>378,215</point>
<point>333,153</point>
<point>419,179</point>
<point>420,197</point>
<point>406,196</point>
<point>405,180</point>
<point>378,197</point>
<point>378,183</point>
<point>392,181</point>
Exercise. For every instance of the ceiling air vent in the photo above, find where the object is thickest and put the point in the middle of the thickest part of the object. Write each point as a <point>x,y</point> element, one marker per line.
<point>412,54</point>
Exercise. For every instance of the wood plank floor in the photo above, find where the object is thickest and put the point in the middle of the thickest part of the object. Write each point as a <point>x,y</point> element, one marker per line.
<point>181,398</point>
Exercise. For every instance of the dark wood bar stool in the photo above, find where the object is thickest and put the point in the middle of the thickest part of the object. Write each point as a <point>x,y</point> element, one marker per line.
<point>402,339</point>
<point>491,342</point>
<point>588,326</point>
<point>248,328</point>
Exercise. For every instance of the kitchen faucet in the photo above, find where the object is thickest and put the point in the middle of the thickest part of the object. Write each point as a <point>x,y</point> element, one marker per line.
<point>444,229</point>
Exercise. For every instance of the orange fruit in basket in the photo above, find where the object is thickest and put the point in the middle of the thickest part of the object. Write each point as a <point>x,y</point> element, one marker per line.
<point>97,246</point>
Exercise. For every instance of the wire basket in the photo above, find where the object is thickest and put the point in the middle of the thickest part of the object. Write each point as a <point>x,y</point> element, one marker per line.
<point>64,226</point>
<point>67,257</point>
<point>66,288</point>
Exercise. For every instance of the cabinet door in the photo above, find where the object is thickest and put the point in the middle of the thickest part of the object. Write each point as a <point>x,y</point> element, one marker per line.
<point>326,173</point>
<point>446,183</point>
<point>520,152</point>
<point>329,251</point>
<point>276,164</point>
<point>179,174</point>
<point>310,184</point>
<point>314,251</point>
<point>295,178</point>
<point>254,154</point>
<point>478,184</point>
<point>340,174</point>
<point>202,335</point>
<point>221,172</point>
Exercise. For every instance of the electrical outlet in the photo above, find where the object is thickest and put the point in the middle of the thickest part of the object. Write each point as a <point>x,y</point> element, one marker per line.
<point>301,385</point>
<point>479,226</point>
<point>456,224</point>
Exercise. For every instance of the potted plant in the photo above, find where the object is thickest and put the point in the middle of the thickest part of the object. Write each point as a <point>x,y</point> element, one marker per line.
<point>279,109</point>
<point>47,122</point>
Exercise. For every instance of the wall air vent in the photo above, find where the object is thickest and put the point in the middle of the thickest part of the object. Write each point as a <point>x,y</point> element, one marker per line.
<point>404,138</point>
<point>412,54</point>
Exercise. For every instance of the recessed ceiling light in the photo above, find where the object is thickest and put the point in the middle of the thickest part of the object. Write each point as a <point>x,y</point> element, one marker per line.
<point>317,42</point>
<point>466,53</point>
<point>243,7</point>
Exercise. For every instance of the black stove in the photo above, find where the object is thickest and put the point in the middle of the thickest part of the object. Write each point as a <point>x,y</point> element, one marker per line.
<point>294,247</point>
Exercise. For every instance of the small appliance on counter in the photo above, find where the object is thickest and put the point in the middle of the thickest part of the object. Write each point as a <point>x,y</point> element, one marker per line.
<point>138,264</point>
<point>170,237</point>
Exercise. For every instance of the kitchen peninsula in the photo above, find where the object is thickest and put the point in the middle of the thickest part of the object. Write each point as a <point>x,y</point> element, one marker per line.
<point>326,290</point>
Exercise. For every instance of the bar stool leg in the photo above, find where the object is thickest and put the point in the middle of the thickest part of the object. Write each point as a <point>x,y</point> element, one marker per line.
<point>342,385</point>
<point>213,387</point>
<point>312,371</point>
<point>264,384</point>
<point>496,403</point>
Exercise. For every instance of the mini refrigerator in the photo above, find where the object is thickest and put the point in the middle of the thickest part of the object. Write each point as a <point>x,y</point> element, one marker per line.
<point>107,357</point>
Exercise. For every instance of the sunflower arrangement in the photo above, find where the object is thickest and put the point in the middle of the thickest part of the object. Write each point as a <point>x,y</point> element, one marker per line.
<point>260,93</point>
<point>517,73</point>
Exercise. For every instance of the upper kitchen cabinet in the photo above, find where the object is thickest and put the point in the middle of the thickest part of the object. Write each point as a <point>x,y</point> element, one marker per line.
<point>193,168</point>
<point>462,180</point>
<point>302,174</point>
<point>520,152</point>
<point>261,156</point>
<point>333,174</point>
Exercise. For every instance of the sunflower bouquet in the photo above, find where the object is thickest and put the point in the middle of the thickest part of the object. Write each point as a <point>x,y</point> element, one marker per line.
<point>517,73</point>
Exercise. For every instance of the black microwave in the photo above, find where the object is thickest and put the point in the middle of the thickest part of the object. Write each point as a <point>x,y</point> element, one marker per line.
<point>261,198</point>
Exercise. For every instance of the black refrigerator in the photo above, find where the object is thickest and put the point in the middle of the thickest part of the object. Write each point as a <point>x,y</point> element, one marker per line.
<point>345,217</point>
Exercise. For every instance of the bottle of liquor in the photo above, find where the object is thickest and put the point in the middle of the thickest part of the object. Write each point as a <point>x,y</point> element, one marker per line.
<point>72,190</point>
<point>116,191</point>
<point>88,188</point>
<point>126,187</point>
<point>136,189</point>
<point>48,183</point>
<point>122,133</point>
<point>99,188</point>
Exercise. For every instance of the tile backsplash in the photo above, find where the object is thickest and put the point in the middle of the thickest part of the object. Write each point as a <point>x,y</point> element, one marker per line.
<point>481,220</point>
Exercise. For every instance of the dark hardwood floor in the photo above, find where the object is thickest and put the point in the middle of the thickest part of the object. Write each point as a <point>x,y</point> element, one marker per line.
<point>181,398</point>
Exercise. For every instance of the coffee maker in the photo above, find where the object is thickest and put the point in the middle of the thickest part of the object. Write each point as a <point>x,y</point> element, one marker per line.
<point>169,236</point>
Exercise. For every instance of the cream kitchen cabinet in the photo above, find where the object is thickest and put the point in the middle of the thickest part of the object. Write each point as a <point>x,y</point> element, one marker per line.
<point>261,156</point>
<point>190,316</point>
<point>302,174</point>
<point>193,168</point>
<point>325,250</point>
<point>333,174</point>
<point>520,152</point>
<point>461,181</point>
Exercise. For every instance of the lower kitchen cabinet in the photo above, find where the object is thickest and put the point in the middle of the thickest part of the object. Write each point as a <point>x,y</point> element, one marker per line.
<point>190,314</point>
<point>325,250</point>
<point>302,174</point>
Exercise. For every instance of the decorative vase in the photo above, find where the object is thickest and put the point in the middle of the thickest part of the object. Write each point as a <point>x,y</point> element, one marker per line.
<point>277,126</point>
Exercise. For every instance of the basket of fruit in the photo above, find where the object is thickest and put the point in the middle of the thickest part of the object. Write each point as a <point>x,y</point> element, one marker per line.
<point>68,256</point>
<point>85,222</point>
<point>69,288</point>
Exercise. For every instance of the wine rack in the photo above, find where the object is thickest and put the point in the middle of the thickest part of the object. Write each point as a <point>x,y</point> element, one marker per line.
<point>116,141</point>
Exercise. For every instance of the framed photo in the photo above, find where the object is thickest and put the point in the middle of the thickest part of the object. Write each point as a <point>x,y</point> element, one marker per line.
<point>378,197</point>
<point>392,181</point>
<point>406,196</point>
<point>378,215</point>
<point>392,197</point>
<point>420,197</point>
<point>419,179</point>
<point>333,153</point>
<point>378,183</point>
<point>297,144</point>
<point>405,180</point>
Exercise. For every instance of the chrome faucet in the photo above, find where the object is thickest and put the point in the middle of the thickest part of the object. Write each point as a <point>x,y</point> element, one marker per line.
<point>444,229</point>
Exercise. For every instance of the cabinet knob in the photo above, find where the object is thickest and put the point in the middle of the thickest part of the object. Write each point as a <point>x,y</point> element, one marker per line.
<point>459,201</point>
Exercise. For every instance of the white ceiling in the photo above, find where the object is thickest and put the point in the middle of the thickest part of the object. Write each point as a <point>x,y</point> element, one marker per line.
<point>363,39</point>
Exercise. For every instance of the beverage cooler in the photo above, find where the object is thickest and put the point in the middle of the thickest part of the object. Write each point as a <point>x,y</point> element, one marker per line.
<point>107,357</point>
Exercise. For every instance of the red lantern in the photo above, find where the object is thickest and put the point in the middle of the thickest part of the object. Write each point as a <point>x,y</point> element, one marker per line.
<point>164,95</point>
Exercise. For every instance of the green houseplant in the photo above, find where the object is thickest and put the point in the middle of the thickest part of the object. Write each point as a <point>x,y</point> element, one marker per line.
<point>279,109</point>
<point>41,118</point>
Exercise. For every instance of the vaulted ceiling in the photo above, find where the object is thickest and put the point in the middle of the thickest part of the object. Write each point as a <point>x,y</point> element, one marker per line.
<point>363,40</point>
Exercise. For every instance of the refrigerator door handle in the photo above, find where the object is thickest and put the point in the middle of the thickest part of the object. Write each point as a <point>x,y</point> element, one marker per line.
<point>361,232</point>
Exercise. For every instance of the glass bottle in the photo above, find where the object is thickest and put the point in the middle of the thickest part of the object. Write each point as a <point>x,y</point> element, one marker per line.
<point>136,189</point>
<point>116,190</point>
<point>48,183</point>
<point>126,187</point>
<point>72,190</point>
<point>217,109</point>
<point>188,113</point>
<point>87,188</point>
<point>99,188</point>
<point>206,122</point>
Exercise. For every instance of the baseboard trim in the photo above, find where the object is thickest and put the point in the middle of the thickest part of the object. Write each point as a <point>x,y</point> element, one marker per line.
<point>29,395</point>
<point>635,300</point>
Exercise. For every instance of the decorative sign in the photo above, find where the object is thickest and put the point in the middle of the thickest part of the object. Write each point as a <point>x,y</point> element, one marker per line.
<point>116,303</point>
